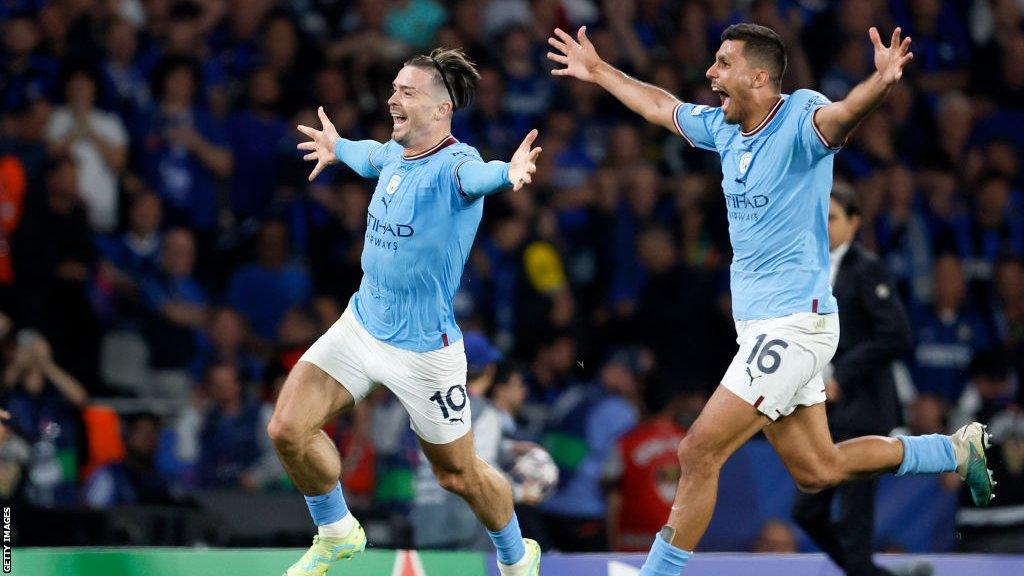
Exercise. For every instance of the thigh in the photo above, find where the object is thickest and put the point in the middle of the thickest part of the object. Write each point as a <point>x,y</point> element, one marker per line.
<point>453,457</point>
<point>432,388</point>
<point>310,398</point>
<point>345,353</point>
<point>725,423</point>
<point>803,441</point>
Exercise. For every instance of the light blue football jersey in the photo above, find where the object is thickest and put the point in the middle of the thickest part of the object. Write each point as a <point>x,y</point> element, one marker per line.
<point>419,231</point>
<point>776,179</point>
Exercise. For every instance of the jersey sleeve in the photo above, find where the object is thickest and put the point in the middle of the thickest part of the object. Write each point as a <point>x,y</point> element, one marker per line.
<point>452,175</point>
<point>807,103</point>
<point>698,124</point>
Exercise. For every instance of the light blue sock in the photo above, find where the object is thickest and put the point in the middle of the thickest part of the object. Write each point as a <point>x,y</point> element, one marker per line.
<point>929,454</point>
<point>509,542</point>
<point>664,559</point>
<point>327,508</point>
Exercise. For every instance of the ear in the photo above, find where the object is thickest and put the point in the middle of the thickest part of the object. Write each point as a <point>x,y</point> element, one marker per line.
<point>443,109</point>
<point>761,78</point>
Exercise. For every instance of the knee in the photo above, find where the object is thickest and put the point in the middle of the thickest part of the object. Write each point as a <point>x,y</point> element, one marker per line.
<point>284,432</point>
<point>697,458</point>
<point>459,481</point>
<point>814,479</point>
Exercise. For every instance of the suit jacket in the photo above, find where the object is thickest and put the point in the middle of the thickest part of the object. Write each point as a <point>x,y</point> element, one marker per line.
<point>874,331</point>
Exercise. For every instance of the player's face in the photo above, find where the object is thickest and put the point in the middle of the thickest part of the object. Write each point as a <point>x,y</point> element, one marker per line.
<point>731,78</point>
<point>841,226</point>
<point>414,106</point>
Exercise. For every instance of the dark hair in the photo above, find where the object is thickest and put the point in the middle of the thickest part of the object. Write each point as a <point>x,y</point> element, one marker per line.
<point>454,71</point>
<point>167,66</point>
<point>762,46</point>
<point>503,375</point>
<point>846,196</point>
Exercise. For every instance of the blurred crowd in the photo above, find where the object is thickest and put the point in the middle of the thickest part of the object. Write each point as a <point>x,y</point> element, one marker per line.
<point>159,242</point>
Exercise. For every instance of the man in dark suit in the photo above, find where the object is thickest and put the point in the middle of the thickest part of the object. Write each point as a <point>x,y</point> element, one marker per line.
<point>861,393</point>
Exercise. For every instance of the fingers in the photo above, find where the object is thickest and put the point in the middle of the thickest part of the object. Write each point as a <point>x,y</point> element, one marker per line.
<point>558,58</point>
<point>560,72</point>
<point>308,145</point>
<point>875,38</point>
<point>316,171</point>
<point>323,118</point>
<point>895,41</point>
<point>582,36</point>
<point>310,156</point>
<point>534,154</point>
<point>564,37</point>
<point>557,45</point>
<point>311,132</point>
<point>905,45</point>
<point>530,137</point>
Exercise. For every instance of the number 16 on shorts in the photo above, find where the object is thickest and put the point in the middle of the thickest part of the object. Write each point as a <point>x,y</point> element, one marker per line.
<point>765,357</point>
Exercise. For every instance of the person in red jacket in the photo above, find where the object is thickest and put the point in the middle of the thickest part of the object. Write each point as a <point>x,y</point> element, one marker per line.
<point>643,470</point>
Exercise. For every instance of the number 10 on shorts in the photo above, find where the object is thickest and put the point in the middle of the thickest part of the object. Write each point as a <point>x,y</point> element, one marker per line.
<point>454,400</point>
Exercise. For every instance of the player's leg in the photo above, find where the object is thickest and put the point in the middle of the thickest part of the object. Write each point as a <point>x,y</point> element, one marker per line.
<point>432,387</point>
<point>725,423</point>
<point>805,445</point>
<point>309,398</point>
<point>312,395</point>
<point>459,470</point>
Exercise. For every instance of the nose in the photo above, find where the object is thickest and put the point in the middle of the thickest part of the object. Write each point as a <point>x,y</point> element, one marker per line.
<point>393,99</point>
<point>711,73</point>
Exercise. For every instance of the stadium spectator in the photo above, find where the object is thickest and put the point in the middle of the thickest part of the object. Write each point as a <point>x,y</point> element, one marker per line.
<point>223,341</point>
<point>44,400</point>
<point>136,479</point>
<point>54,255</point>
<point>176,308</point>
<point>947,334</point>
<point>586,421</point>
<point>776,537</point>
<point>265,289</point>
<point>257,136</point>
<point>96,141</point>
<point>129,257</point>
<point>28,76</point>
<point>180,148</point>
<point>228,440</point>
<point>642,472</point>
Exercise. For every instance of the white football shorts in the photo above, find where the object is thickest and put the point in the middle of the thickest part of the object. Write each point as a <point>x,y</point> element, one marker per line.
<point>779,364</point>
<point>430,385</point>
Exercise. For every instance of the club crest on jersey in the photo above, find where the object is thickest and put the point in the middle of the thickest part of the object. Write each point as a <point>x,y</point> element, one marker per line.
<point>745,159</point>
<point>393,184</point>
<point>698,110</point>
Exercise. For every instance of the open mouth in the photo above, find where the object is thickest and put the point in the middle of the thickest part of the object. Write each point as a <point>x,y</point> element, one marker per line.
<point>399,119</point>
<point>723,95</point>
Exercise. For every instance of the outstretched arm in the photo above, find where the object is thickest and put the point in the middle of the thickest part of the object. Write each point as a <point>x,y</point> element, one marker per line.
<point>327,147</point>
<point>478,179</point>
<point>838,120</point>
<point>581,61</point>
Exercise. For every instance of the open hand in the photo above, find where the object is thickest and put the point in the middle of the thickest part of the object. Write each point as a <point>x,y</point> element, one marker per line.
<point>524,162</point>
<point>578,55</point>
<point>890,60</point>
<point>321,144</point>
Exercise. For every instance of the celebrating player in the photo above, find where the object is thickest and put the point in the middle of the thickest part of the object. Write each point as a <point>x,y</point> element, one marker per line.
<point>399,329</point>
<point>776,152</point>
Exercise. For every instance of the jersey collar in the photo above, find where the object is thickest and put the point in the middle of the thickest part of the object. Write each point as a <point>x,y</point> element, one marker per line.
<point>767,119</point>
<point>444,143</point>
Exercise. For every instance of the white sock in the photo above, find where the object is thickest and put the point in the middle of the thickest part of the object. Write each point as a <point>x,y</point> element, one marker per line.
<point>339,528</point>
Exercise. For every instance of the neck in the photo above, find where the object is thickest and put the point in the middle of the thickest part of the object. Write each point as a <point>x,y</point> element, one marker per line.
<point>762,106</point>
<point>428,141</point>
